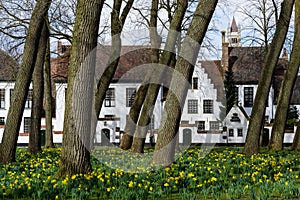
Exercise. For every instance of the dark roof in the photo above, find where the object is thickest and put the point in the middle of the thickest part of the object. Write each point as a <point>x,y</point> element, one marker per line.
<point>131,57</point>
<point>247,63</point>
<point>234,27</point>
<point>8,67</point>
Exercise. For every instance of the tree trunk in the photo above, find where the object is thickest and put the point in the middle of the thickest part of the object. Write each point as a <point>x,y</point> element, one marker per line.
<point>14,117</point>
<point>79,121</point>
<point>34,145</point>
<point>166,141</point>
<point>48,98</point>
<point>286,90</point>
<point>155,40</point>
<point>296,141</point>
<point>117,23</point>
<point>271,59</point>
<point>150,94</point>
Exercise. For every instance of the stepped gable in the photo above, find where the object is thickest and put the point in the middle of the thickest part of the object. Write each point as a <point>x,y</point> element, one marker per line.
<point>214,71</point>
<point>8,67</point>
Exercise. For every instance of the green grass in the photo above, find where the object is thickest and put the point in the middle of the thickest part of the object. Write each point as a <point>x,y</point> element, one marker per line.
<point>223,173</point>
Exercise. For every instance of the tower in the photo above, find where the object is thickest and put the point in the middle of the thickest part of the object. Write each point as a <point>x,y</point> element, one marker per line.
<point>234,34</point>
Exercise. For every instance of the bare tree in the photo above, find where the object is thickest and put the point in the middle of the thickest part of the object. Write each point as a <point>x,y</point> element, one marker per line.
<point>165,146</point>
<point>286,90</point>
<point>142,93</point>
<point>14,118</point>
<point>75,157</point>
<point>48,98</point>
<point>34,145</point>
<point>270,61</point>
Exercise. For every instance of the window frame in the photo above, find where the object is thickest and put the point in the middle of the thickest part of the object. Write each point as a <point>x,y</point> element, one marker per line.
<point>208,106</point>
<point>130,94</point>
<point>110,98</point>
<point>192,106</point>
<point>27,124</point>
<point>248,96</point>
<point>195,82</point>
<point>231,132</point>
<point>2,98</point>
<point>240,132</point>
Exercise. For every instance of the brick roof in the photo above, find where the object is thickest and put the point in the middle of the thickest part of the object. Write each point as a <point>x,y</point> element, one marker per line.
<point>131,57</point>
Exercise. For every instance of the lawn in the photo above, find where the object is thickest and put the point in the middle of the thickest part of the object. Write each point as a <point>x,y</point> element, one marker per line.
<point>222,173</point>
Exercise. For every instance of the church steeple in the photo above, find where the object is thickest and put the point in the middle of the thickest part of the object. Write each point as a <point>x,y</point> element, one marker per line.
<point>234,34</point>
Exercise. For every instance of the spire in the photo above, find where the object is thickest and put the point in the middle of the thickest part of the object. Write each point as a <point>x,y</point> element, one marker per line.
<point>234,27</point>
<point>234,34</point>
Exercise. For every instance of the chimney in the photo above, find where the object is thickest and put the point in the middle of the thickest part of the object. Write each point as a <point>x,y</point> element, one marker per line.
<point>223,36</point>
<point>59,47</point>
<point>284,54</point>
<point>225,58</point>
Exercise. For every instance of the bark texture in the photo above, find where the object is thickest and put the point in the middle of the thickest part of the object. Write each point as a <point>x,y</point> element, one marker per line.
<point>296,141</point>
<point>286,90</point>
<point>155,40</point>
<point>166,141</point>
<point>48,99</point>
<point>34,145</point>
<point>148,93</point>
<point>271,59</point>
<point>14,117</point>
<point>117,23</point>
<point>78,122</point>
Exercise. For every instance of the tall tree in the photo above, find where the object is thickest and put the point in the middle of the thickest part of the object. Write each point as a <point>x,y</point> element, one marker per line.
<point>143,91</point>
<point>155,40</point>
<point>79,108</point>
<point>270,61</point>
<point>118,19</point>
<point>14,118</point>
<point>165,146</point>
<point>34,145</point>
<point>229,84</point>
<point>48,98</point>
<point>287,86</point>
<point>296,141</point>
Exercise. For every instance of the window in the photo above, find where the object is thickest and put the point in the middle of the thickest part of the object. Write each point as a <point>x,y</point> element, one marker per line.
<point>231,132</point>
<point>192,106</point>
<point>195,83</point>
<point>240,132</point>
<point>27,122</point>
<point>2,121</point>
<point>110,100</point>
<point>201,125</point>
<point>248,96</point>
<point>207,106</point>
<point>234,40</point>
<point>130,94</point>
<point>236,94</point>
<point>2,98</point>
<point>151,124</point>
<point>214,125</point>
<point>28,103</point>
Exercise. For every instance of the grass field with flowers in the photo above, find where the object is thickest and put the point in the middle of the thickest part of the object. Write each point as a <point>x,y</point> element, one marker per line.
<point>223,173</point>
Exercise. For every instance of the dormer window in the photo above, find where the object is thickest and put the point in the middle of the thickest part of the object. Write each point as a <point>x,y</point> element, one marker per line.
<point>195,83</point>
